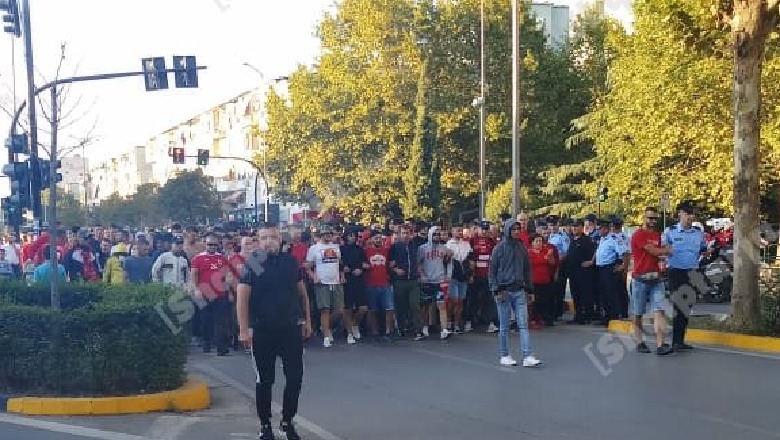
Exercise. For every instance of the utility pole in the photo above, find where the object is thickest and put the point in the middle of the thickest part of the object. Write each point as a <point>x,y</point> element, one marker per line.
<point>515,109</point>
<point>35,171</point>
<point>482,176</point>
<point>55,294</point>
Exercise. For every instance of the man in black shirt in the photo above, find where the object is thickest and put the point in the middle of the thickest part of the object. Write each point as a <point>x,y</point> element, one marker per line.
<point>272,298</point>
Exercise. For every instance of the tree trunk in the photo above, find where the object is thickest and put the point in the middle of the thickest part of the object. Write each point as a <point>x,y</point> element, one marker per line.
<point>749,35</point>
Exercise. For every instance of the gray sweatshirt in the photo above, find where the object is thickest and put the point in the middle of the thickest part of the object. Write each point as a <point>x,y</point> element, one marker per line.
<point>510,267</point>
<point>431,258</point>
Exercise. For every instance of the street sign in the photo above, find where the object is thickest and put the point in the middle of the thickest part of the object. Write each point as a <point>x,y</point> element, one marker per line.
<point>186,75</point>
<point>155,76</point>
<point>665,202</point>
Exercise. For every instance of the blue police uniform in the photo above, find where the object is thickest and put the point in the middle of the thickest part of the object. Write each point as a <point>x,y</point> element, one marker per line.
<point>687,245</point>
<point>609,253</point>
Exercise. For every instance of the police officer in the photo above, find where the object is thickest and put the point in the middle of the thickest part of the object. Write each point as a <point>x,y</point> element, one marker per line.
<point>684,243</point>
<point>611,257</point>
<point>272,297</point>
<point>616,229</point>
<point>579,266</point>
<point>561,241</point>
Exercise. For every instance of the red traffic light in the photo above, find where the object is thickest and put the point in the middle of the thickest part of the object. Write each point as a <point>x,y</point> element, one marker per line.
<point>178,155</point>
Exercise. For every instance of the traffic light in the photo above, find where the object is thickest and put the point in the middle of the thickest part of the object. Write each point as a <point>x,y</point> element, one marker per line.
<point>46,173</point>
<point>203,157</point>
<point>17,144</point>
<point>11,19</point>
<point>19,174</point>
<point>178,155</point>
<point>603,194</point>
<point>12,215</point>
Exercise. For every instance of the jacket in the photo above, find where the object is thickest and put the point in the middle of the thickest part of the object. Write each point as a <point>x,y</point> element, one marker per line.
<point>113,273</point>
<point>404,256</point>
<point>510,266</point>
<point>171,269</point>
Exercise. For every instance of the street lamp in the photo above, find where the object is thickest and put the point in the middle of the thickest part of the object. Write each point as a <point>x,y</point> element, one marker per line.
<point>480,102</point>
<point>265,169</point>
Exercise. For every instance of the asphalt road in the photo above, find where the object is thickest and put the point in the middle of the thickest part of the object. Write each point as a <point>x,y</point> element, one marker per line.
<point>593,386</point>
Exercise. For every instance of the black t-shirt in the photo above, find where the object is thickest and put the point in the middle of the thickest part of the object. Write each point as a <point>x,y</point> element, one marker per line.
<point>275,300</point>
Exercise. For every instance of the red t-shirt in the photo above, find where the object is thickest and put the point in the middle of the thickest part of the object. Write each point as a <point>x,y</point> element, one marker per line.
<point>234,264</point>
<point>377,276</point>
<point>482,248</point>
<point>211,274</point>
<point>643,261</point>
<point>541,268</point>
<point>299,251</point>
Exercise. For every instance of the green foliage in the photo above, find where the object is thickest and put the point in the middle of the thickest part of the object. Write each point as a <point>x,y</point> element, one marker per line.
<point>348,128</point>
<point>140,209</point>
<point>107,340</point>
<point>70,210</point>
<point>188,196</point>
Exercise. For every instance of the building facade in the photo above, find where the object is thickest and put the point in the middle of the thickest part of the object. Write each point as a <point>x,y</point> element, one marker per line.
<point>121,174</point>
<point>553,20</point>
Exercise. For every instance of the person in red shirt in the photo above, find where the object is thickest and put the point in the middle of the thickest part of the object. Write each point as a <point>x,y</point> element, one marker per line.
<point>543,267</point>
<point>479,299</point>
<point>209,270</point>
<point>646,284</point>
<point>380,295</point>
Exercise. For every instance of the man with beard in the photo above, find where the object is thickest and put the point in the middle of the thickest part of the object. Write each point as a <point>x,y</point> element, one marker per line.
<point>433,258</point>
<point>172,267</point>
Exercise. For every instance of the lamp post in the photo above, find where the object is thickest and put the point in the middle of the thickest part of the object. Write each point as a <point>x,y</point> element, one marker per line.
<point>481,102</point>
<point>515,109</point>
<point>265,83</point>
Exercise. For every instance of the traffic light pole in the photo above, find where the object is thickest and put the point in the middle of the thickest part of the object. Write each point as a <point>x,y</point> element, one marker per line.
<point>35,174</point>
<point>53,270</point>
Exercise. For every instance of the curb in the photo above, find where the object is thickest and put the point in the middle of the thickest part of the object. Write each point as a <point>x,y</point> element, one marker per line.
<point>192,396</point>
<point>763,344</point>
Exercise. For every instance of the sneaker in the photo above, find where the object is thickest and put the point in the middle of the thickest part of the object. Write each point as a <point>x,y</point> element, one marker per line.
<point>642,348</point>
<point>468,328</point>
<point>425,331</point>
<point>682,347</point>
<point>289,430</point>
<point>351,339</point>
<point>327,342</point>
<point>507,361</point>
<point>266,433</point>
<point>419,337</point>
<point>531,361</point>
<point>356,332</point>
<point>492,328</point>
<point>445,334</point>
<point>457,330</point>
<point>663,350</point>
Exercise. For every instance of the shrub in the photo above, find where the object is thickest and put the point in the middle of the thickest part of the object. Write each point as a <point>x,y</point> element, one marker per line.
<point>106,340</point>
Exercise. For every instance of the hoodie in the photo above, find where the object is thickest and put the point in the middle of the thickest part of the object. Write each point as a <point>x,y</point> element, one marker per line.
<point>510,267</point>
<point>432,258</point>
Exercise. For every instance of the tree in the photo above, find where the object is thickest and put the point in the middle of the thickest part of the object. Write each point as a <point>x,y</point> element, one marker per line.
<point>70,211</point>
<point>751,22</point>
<point>189,197</point>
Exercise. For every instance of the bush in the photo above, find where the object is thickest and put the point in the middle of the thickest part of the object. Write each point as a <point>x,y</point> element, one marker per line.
<point>106,340</point>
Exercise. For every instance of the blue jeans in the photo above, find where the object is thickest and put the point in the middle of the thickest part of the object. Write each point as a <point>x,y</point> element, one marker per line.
<point>518,302</point>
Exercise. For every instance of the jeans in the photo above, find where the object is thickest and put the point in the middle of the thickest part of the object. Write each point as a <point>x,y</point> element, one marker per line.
<point>517,301</point>
<point>287,344</point>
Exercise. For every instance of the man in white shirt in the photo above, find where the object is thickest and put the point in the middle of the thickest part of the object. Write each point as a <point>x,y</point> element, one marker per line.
<point>462,273</point>
<point>323,262</point>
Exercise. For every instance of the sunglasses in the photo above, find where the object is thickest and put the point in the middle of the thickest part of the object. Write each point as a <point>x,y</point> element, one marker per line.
<point>652,218</point>
<point>212,244</point>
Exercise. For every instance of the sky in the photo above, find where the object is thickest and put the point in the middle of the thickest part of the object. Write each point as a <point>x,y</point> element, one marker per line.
<point>113,36</point>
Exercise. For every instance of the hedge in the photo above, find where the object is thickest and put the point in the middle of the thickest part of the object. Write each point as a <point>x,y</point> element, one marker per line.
<point>106,340</point>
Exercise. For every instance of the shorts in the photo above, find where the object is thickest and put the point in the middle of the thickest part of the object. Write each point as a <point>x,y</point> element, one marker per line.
<point>329,296</point>
<point>381,298</point>
<point>430,293</point>
<point>642,293</point>
<point>355,295</point>
<point>458,290</point>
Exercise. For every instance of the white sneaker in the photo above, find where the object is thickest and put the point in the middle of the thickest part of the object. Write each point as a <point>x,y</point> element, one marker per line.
<point>445,334</point>
<point>507,361</point>
<point>327,341</point>
<point>492,328</point>
<point>531,361</point>
<point>356,332</point>
<point>467,328</point>
<point>350,339</point>
<point>425,331</point>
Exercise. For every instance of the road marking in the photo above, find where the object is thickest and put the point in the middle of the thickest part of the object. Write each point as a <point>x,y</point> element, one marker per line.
<point>466,360</point>
<point>170,427</point>
<point>67,429</point>
<point>308,425</point>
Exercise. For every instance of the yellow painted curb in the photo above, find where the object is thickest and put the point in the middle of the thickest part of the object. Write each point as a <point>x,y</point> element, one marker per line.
<point>193,396</point>
<point>708,337</point>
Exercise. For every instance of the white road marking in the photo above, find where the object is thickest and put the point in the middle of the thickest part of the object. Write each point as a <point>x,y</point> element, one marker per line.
<point>466,360</point>
<point>67,429</point>
<point>301,422</point>
<point>170,427</point>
